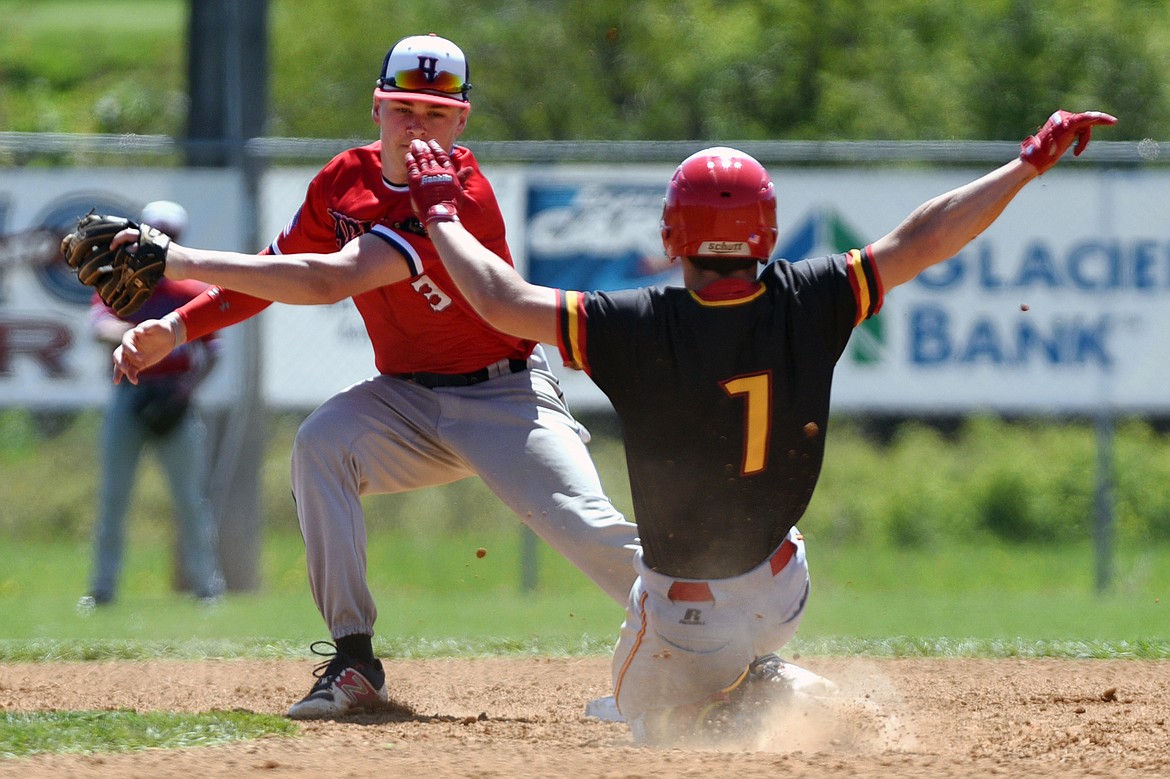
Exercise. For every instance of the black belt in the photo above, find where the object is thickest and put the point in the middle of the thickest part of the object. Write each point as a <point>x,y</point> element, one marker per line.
<point>432,380</point>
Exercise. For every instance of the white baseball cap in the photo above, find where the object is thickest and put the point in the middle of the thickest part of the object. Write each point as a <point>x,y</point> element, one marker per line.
<point>427,69</point>
<point>165,215</point>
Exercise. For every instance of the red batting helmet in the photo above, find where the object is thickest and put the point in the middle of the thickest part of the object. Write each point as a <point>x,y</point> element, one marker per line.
<point>720,203</point>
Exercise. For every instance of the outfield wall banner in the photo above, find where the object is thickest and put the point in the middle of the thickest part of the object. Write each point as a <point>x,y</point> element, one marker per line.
<point>1062,306</point>
<point>47,358</point>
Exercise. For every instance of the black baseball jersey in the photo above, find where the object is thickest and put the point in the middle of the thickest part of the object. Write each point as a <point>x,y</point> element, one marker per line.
<point>723,397</point>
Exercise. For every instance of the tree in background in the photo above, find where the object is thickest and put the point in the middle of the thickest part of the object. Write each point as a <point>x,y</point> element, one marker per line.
<point>613,69</point>
<point>781,69</point>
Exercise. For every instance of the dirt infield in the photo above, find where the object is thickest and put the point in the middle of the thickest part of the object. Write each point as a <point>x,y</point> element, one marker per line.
<point>523,717</point>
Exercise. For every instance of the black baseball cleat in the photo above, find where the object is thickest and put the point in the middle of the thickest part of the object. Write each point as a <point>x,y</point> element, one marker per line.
<point>345,685</point>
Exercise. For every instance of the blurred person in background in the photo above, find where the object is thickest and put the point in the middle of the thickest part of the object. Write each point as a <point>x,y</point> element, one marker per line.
<point>155,416</point>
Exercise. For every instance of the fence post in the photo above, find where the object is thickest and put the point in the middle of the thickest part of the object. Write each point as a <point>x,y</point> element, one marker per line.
<point>1103,501</point>
<point>529,565</point>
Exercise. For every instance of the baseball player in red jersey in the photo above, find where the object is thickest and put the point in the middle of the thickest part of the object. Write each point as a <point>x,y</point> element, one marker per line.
<point>722,388</point>
<point>453,397</point>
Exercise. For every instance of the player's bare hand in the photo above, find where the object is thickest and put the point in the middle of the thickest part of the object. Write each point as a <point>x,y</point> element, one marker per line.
<point>1061,131</point>
<point>127,236</point>
<point>435,186</point>
<point>143,346</point>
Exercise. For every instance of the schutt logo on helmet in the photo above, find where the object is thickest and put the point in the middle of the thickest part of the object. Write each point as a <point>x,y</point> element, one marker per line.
<point>732,248</point>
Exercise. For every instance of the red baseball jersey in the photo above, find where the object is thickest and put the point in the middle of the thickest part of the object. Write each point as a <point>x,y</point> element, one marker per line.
<point>421,324</point>
<point>723,396</point>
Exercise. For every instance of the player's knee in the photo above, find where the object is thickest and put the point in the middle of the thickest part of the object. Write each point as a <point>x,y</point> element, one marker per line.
<point>316,439</point>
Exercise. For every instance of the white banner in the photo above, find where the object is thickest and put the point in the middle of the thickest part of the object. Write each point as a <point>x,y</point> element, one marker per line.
<point>1060,307</point>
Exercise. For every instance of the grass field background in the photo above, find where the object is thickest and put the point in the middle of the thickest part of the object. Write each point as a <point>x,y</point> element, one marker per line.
<point>437,597</point>
<point>891,572</point>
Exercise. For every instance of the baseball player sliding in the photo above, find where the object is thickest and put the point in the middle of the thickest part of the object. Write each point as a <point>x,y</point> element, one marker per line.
<point>453,397</point>
<point>722,388</point>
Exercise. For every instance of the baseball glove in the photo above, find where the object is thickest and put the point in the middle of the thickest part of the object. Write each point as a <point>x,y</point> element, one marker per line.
<point>124,279</point>
<point>161,405</point>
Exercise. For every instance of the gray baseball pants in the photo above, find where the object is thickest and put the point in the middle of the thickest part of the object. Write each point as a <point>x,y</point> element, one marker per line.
<point>387,435</point>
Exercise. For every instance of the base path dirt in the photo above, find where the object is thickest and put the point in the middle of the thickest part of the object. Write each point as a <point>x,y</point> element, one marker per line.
<point>523,717</point>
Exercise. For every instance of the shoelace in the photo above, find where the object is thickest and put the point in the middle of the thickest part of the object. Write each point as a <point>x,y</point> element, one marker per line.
<point>325,672</point>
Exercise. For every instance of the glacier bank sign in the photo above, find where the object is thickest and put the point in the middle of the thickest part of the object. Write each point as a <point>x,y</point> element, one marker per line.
<point>1061,306</point>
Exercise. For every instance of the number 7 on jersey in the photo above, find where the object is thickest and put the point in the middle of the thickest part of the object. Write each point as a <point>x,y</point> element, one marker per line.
<point>756,390</point>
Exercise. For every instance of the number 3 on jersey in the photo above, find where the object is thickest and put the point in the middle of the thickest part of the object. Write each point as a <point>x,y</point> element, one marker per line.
<point>756,390</point>
<point>437,299</point>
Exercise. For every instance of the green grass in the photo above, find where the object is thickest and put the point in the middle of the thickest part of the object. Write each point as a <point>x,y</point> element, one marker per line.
<point>947,591</point>
<point>989,591</point>
<point>427,591</point>
<point>117,72</point>
<point>40,44</point>
<point>57,732</point>
<point>436,598</point>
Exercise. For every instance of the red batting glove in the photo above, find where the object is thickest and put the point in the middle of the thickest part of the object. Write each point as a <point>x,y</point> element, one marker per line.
<point>1043,149</point>
<point>435,188</point>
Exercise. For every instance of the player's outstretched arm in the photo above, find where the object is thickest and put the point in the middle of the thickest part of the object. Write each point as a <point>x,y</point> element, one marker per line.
<point>940,228</point>
<point>493,287</point>
<point>365,263</point>
<point>495,290</point>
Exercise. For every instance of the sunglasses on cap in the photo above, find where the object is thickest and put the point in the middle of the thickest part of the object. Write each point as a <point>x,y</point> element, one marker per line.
<point>419,80</point>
